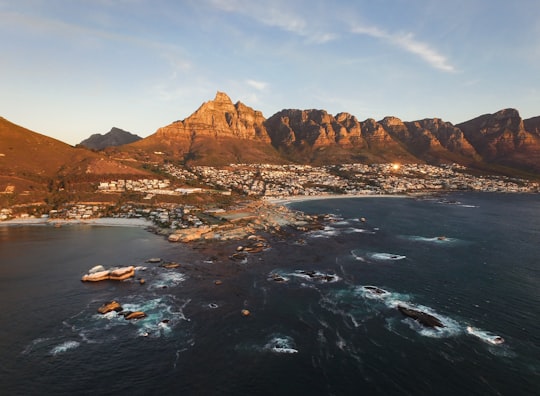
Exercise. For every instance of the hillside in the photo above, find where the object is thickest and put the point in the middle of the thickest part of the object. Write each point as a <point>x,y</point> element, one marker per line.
<point>35,165</point>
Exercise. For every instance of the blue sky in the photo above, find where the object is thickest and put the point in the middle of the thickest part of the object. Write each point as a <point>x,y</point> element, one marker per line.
<point>71,68</point>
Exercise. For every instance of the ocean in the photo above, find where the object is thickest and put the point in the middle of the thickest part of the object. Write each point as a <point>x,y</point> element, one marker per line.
<point>324,317</point>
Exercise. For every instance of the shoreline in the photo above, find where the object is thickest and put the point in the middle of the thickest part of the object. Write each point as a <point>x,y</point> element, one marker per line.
<point>100,221</point>
<point>302,198</point>
<point>143,223</point>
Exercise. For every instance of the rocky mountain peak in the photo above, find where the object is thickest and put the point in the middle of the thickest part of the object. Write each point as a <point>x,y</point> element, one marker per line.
<point>390,121</point>
<point>222,97</point>
<point>219,118</point>
<point>115,137</point>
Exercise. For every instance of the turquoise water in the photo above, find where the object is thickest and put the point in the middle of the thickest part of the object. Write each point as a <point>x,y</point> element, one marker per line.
<point>470,260</point>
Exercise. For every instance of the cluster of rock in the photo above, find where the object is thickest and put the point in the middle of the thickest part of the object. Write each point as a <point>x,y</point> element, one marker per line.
<point>245,222</point>
<point>115,306</point>
<point>254,244</point>
<point>99,273</point>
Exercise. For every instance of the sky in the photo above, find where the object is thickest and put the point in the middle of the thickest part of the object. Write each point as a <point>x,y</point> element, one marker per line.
<point>73,68</point>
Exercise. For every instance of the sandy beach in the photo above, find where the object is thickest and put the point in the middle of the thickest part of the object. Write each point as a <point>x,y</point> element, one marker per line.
<point>302,198</point>
<point>102,221</point>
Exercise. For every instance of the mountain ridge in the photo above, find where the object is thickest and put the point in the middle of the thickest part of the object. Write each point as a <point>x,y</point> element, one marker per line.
<point>220,132</point>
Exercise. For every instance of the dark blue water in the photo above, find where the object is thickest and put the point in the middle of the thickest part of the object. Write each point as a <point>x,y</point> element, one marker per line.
<point>470,260</point>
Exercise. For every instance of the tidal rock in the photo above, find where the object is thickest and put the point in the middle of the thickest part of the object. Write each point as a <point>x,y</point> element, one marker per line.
<point>170,265</point>
<point>423,318</point>
<point>96,276</point>
<point>110,306</point>
<point>135,315</point>
<point>116,274</point>
<point>97,268</point>
<point>122,273</point>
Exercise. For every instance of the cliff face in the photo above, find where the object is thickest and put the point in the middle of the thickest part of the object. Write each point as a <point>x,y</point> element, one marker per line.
<point>532,125</point>
<point>313,128</point>
<point>218,133</point>
<point>219,118</point>
<point>502,137</point>
<point>221,132</point>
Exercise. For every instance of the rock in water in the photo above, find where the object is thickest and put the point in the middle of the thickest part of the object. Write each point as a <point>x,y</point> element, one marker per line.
<point>97,268</point>
<point>135,315</point>
<point>423,318</point>
<point>122,273</point>
<point>245,312</point>
<point>96,276</point>
<point>110,306</point>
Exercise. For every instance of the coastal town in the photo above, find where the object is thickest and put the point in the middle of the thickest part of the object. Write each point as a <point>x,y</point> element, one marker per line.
<point>263,183</point>
<point>282,181</point>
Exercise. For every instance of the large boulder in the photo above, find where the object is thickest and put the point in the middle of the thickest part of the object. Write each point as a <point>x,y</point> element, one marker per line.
<point>117,274</point>
<point>96,276</point>
<point>109,307</point>
<point>122,273</point>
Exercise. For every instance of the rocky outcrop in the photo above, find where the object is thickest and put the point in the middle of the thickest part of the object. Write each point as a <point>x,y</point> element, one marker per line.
<point>115,137</point>
<point>219,118</point>
<point>98,274</point>
<point>421,317</point>
<point>313,128</point>
<point>501,137</point>
<point>532,125</point>
<point>218,133</point>
<point>134,315</point>
<point>109,307</point>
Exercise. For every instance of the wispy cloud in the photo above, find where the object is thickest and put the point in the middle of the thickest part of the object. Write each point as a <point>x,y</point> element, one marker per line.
<point>44,25</point>
<point>273,15</point>
<point>258,85</point>
<point>408,43</point>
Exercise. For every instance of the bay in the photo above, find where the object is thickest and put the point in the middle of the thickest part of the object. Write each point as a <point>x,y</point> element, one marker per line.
<point>314,328</point>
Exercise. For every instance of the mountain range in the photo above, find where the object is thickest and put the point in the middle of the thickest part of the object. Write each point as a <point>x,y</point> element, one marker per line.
<point>221,132</point>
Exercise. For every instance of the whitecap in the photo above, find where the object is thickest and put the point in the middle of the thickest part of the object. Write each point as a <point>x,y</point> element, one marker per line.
<point>374,292</point>
<point>281,344</point>
<point>167,279</point>
<point>353,230</point>
<point>438,239</point>
<point>326,232</point>
<point>485,336</point>
<point>356,256</point>
<point>385,256</point>
<point>361,255</point>
<point>278,277</point>
<point>33,345</point>
<point>316,276</point>
<point>64,347</point>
